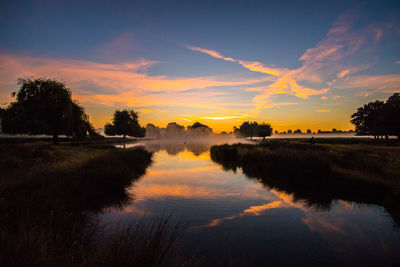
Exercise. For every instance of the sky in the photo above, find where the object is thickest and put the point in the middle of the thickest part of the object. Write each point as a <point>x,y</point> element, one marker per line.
<point>294,64</point>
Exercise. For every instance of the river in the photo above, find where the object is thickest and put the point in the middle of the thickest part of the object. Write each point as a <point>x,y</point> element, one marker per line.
<point>231,219</point>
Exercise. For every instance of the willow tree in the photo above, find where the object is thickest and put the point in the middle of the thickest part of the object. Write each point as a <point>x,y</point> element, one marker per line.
<point>45,106</point>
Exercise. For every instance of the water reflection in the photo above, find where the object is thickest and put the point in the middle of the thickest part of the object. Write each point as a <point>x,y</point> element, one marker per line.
<point>234,219</point>
<point>309,180</point>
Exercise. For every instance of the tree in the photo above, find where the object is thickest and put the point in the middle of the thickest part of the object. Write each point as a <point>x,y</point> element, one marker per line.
<point>378,118</point>
<point>125,122</point>
<point>289,131</point>
<point>248,129</point>
<point>174,130</point>
<point>264,130</point>
<point>369,119</point>
<point>153,131</point>
<point>199,130</point>
<point>392,115</point>
<point>44,106</point>
<point>308,131</point>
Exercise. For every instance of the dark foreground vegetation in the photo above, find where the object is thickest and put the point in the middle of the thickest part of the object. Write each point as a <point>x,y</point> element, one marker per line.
<point>48,195</point>
<point>320,174</point>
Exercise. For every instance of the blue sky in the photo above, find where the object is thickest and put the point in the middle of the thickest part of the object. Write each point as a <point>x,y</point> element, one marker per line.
<point>295,64</point>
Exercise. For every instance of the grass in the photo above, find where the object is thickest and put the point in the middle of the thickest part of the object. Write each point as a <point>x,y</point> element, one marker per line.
<point>48,194</point>
<point>319,174</point>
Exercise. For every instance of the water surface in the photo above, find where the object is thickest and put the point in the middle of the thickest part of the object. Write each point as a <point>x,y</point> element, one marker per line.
<point>232,219</point>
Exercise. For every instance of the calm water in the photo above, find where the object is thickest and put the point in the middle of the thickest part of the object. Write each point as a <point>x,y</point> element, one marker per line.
<point>233,219</point>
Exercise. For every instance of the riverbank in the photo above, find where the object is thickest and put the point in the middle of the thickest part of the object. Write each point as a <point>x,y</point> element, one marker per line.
<point>49,194</point>
<point>322,173</point>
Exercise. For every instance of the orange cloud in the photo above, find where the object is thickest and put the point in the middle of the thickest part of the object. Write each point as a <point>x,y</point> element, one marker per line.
<point>322,110</point>
<point>259,67</point>
<point>251,211</point>
<point>343,73</point>
<point>92,78</point>
<point>286,82</point>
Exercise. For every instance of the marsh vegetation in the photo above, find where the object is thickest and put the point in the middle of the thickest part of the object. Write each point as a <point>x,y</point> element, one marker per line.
<point>319,174</point>
<point>49,194</point>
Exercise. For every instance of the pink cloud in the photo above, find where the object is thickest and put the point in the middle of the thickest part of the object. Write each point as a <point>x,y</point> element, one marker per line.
<point>382,83</point>
<point>124,77</point>
<point>209,52</point>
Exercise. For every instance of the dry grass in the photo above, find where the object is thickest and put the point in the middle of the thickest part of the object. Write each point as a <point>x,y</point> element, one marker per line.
<point>48,194</point>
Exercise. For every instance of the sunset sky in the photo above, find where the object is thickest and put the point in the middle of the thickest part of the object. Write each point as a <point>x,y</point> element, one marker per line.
<point>294,64</point>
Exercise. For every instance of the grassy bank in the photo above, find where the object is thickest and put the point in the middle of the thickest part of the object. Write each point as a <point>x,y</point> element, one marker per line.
<point>319,174</point>
<point>48,194</point>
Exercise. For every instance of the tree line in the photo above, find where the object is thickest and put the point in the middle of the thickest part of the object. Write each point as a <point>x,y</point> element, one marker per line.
<point>45,106</point>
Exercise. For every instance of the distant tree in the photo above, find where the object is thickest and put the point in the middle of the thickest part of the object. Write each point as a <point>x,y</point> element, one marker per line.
<point>248,129</point>
<point>44,106</point>
<point>264,130</point>
<point>308,131</point>
<point>319,131</point>
<point>276,132</point>
<point>125,122</point>
<point>298,131</point>
<point>174,130</point>
<point>289,131</point>
<point>153,131</point>
<point>223,133</point>
<point>198,130</point>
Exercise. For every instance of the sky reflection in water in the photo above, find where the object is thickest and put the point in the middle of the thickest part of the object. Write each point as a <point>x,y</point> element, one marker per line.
<point>232,219</point>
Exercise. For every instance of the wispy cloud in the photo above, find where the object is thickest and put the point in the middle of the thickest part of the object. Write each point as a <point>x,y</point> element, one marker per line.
<point>209,52</point>
<point>383,83</point>
<point>330,64</point>
<point>322,110</point>
<point>92,78</point>
<point>284,83</point>
<point>256,210</point>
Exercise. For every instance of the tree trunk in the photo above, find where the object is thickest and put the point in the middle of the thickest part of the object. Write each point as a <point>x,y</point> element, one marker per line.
<point>55,139</point>
<point>124,136</point>
<point>263,137</point>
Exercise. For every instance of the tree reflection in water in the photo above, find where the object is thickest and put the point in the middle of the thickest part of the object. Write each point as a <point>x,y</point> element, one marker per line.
<point>314,175</point>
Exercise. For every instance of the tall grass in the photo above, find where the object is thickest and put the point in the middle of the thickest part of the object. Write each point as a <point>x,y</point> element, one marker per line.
<point>48,196</point>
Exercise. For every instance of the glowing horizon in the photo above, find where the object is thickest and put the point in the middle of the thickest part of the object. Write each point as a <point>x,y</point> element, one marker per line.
<point>339,58</point>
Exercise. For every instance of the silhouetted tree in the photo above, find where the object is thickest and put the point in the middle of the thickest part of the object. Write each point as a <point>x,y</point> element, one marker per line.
<point>298,131</point>
<point>44,106</point>
<point>198,130</point>
<point>248,129</point>
<point>392,115</point>
<point>289,131</point>
<point>236,132</point>
<point>175,130</point>
<point>308,131</point>
<point>125,122</point>
<point>369,119</point>
<point>264,130</point>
